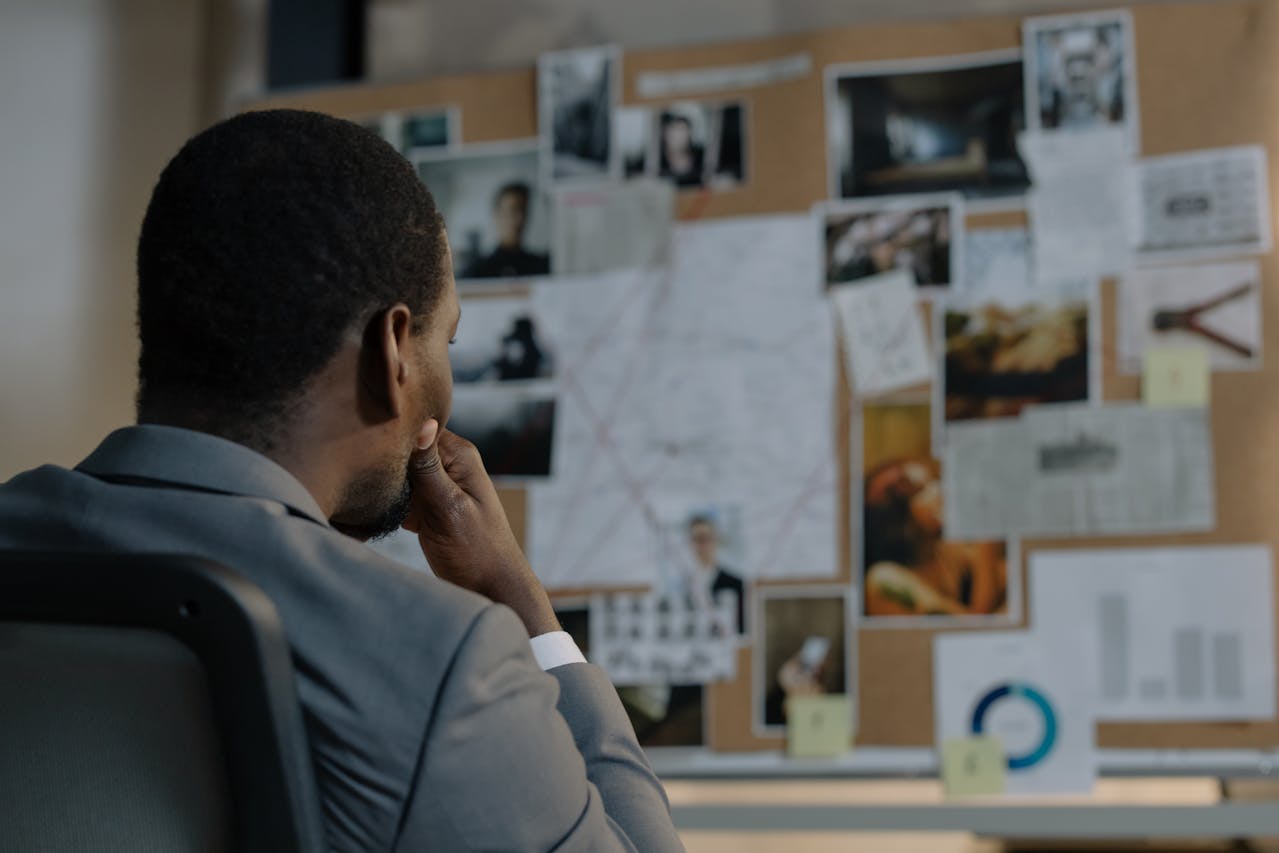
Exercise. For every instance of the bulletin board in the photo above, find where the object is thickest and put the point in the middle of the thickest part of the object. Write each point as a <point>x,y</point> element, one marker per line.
<point>1208,76</point>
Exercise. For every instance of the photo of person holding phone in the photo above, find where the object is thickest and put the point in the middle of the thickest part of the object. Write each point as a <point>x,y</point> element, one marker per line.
<point>804,648</point>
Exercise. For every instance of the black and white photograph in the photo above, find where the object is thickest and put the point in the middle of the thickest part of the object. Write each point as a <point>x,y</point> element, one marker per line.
<point>577,97</point>
<point>500,340</point>
<point>926,126</point>
<point>804,649</point>
<point>412,132</point>
<point>654,638</point>
<point>494,207</point>
<point>702,145</point>
<point>1081,73</point>
<point>921,235</point>
<point>633,135</point>
<point>511,426</point>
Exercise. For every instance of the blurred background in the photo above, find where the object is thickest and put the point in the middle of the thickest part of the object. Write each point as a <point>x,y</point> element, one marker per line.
<point>98,94</point>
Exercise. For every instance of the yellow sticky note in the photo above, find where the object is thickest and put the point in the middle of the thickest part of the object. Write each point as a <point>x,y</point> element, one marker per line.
<point>818,726</point>
<point>1175,376</point>
<point>973,766</point>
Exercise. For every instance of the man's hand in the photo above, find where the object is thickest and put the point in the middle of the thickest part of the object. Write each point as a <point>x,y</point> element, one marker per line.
<point>464,532</point>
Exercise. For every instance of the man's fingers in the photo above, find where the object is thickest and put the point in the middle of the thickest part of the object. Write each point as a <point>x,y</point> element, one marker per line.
<point>427,476</point>
<point>459,457</point>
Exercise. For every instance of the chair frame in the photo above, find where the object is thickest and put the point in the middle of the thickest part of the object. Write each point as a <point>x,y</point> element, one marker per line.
<point>234,629</point>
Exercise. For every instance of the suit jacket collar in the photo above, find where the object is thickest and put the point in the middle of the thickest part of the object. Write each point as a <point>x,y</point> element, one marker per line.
<point>186,458</point>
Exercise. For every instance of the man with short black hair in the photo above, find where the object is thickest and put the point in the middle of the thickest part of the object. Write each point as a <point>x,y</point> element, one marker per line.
<point>510,218</point>
<point>295,306</point>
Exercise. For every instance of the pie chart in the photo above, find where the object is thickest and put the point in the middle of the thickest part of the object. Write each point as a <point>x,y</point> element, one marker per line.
<point>1031,700</point>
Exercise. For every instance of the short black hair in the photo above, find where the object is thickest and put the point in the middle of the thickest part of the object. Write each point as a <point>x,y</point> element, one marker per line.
<point>518,188</point>
<point>703,519</point>
<point>267,238</point>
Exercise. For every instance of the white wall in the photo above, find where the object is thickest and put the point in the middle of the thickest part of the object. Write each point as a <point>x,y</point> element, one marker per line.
<point>97,95</point>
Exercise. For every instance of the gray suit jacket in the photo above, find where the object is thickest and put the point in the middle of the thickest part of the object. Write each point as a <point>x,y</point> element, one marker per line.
<point>431,725</point>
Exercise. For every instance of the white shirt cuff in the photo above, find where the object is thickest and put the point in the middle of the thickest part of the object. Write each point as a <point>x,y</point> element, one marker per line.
<point>555,648</point>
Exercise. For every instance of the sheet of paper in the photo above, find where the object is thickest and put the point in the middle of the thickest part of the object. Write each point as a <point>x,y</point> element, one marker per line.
<point>1213,203</point>
<point>1072,470</point>
<point>1078,202</point>
<point>712,381</point>
<point>882,333</point>
<point>1173,633</point>
<point>612,226</point>
<point>1176,376</point>
<point>973,766</point>
<point>655,639</point>
<point>1215,306</point>
<point>693,81</point>
<point>996,260</point>
<point>1035,700</point>
<point>819,726</point>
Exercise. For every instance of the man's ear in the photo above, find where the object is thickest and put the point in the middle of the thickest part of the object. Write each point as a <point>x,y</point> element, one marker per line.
<point>385,351</point>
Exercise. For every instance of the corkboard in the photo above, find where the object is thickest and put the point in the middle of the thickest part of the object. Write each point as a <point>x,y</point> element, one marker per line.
<point>1208,75</point>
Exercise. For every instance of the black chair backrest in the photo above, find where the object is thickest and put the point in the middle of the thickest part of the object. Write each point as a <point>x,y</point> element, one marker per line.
<point>147,703</point>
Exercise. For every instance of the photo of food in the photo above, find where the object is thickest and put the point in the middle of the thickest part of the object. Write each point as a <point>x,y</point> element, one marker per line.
<point>1004,355</point>
<point>909,568</point>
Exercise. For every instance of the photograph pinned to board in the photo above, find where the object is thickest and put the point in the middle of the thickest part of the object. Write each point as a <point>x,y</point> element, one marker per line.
<point>1081,73</point>
<point>511,424</point>
<point>494,207</point>
<point>922,234</point>
<point>912,574</point>
<point>578,91</point>
<point>995,259</point>
<point>416,130</point>
<point>661,714</point>
<point>1170,641</point>
<point>636,143</point>
<point>804,647</point>
<point>1213,306</point>
<point>1080,469</point>
<point>1202,204</point>
<point>500,340</point>
<point>1002,351</point>
<point>1036,699</point>
<point>611,226</point>
<point>700,555</point>
<point>657,638</point>
<point>928,125</point>
<point>702,145</point>
<point>882,333</point>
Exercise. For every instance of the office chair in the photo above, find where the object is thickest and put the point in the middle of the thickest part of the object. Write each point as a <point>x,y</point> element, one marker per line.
<point>147,704</point>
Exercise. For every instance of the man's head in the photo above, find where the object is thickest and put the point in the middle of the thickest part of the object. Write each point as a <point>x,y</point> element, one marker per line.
<point>295,294</point>
<point>510,214</point>
<point>704,538</point>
